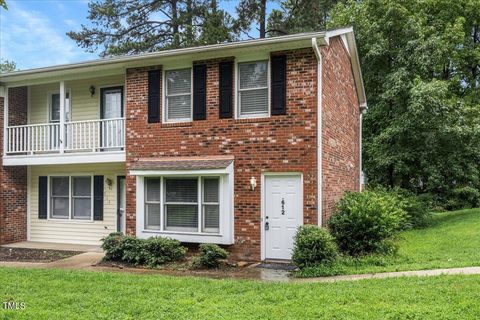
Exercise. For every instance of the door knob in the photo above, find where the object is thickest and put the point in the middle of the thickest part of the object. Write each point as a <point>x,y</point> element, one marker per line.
<point>267,225</point>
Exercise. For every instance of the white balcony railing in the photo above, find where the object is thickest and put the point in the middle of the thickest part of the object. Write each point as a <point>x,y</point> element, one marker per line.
<point>80,136</point>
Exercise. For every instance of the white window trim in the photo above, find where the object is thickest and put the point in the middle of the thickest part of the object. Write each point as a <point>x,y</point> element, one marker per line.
<point>49,105</point>
<point>226,209</point>
<point>237,91</point>
<point>70,198</point>
<point>164,96</point>
<point>199,204</point>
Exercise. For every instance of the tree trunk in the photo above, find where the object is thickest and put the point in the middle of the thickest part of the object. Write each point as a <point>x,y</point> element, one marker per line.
<point>263,17</point>
<point>175,25</point>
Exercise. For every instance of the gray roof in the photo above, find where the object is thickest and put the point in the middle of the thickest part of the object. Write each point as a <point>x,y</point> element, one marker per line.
<point>172,163</point>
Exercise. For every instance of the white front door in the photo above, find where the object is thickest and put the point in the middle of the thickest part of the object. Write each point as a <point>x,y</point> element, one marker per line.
<point>283,214</point>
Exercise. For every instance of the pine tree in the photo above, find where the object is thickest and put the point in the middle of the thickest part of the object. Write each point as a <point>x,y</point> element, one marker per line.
<point>133,26</point>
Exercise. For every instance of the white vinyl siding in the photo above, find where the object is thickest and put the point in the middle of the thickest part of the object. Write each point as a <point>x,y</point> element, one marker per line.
<point>253,89</point>
<point>75,231</point>
<point>178,95</point>
<point>83,105</point>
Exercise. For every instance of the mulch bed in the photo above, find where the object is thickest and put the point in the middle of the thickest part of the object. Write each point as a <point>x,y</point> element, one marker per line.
<point>34,255</point>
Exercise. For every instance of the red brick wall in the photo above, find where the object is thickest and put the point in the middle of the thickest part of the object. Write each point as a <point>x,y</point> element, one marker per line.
<point>340,163</point>
<point>13,180</point>
<point>276,144</point>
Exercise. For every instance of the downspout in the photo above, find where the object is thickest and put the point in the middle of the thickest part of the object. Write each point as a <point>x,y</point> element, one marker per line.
<point>361,178</point>
<point>360,158</point>
<point>318,54</point>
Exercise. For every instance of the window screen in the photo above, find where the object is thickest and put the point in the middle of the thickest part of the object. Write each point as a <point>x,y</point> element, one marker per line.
<point>178,95</point>
<point>210,205</point>
<point>152,203</point>
<point>253,89</point>
<point>181,204</point>
<point>59,190</point>
<point>82,198</point>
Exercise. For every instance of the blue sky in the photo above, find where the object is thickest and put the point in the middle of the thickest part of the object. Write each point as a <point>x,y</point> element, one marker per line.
<point>33,32</point>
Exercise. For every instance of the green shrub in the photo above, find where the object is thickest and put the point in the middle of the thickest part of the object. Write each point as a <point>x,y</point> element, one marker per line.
<point>158,250</point>
<point>364,222</point>
<point>417,210</point>
<point>110,244</point>
<point>152,251</point>
<point>132,250</point>
<point>313,246</point>
<point>463,198</point>
<point>210,256</point>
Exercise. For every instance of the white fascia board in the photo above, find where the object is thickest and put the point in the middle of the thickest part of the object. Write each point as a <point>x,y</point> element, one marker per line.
<point>65,158</point>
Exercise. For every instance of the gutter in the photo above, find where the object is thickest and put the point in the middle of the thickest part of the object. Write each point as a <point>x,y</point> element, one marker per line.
<point>318,54</point>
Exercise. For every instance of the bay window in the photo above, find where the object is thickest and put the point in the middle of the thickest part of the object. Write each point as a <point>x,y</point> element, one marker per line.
<point>178,95</point>
<point>71,197</point>
<point>253,89</point>
<point>182,204</point>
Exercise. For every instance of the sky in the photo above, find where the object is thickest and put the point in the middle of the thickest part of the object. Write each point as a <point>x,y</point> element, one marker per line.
<point>33,32</point>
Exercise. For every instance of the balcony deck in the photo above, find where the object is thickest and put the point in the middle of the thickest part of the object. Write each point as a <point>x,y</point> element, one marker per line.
<point>88,141</point>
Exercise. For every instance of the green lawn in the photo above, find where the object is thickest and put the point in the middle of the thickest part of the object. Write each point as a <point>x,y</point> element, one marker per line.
<point>60,294</point>
<point>452,241</point>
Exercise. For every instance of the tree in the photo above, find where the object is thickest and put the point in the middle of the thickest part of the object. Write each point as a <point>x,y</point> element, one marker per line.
<point>249,12</point>
<point>7,66</point>
<point>421,68</point>
<point>296,16</point>
<point>134,26</point>
<point>217,26</point>
<point>3,4</point>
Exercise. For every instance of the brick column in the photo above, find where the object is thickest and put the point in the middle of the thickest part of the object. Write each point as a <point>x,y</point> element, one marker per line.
<point>13,180</point>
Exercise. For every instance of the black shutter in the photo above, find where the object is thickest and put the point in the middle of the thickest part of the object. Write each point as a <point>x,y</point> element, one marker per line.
<point>226,89</point>
<point>98,198</point>
<point>200,92</point>
<point>279,85</point>
<point>154,96</point>
<point>42,197</point>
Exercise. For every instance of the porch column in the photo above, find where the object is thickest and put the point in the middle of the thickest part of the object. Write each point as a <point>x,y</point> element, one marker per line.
<point>62,116</point>
<point>5,120</point>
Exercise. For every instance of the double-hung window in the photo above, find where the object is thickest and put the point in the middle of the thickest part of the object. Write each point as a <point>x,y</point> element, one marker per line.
<point>183,204</point>
<point>253,89</point>
<point>71,197</point>
<point>178,95</point>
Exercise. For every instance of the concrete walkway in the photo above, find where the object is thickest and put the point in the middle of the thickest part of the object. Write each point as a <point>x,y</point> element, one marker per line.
<point>53,246</point>
<point>384,275</point>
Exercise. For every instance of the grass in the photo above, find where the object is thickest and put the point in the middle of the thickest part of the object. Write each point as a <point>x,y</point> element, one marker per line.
<point>452,241</point>
<point>60,294</point>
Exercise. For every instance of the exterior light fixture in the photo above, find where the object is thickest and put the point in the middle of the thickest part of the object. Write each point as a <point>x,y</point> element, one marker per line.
<point>253,183</point>
<point>92,90</point>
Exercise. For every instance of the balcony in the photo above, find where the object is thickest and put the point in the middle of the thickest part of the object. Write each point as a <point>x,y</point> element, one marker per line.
<point>42,143</point>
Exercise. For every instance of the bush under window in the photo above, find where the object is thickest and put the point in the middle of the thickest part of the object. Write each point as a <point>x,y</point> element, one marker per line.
<point>153,252</point>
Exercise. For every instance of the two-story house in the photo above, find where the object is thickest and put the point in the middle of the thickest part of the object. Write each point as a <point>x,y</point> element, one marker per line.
<point>236,144</point>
